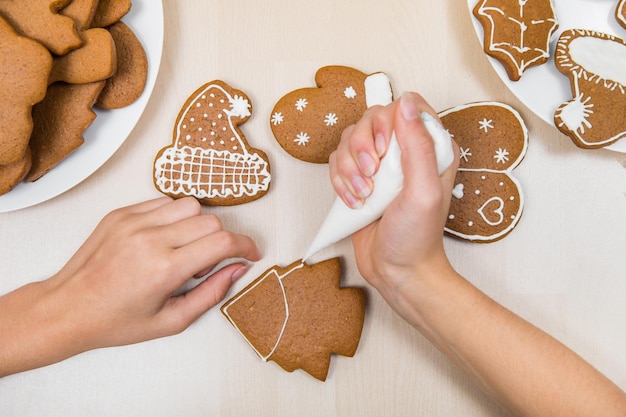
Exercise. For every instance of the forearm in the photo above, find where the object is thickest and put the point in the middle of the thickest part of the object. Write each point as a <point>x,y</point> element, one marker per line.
<point>35,329</point>
<point>524,369</point>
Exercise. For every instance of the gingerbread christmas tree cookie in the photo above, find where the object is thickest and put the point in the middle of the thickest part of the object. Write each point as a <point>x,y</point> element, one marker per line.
<point>298,316</point>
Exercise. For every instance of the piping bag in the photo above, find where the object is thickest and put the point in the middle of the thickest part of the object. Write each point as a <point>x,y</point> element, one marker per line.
<point>343,221</point>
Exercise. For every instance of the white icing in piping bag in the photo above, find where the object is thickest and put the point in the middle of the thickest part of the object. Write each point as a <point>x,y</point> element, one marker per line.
<point>343,221</point>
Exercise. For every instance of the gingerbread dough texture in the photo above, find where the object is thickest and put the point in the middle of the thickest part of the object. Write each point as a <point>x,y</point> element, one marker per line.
<point>299,315</point>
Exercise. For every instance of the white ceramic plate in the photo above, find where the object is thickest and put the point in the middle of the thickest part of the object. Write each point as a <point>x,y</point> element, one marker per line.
<point>542,89</point>
<point>110,128</point>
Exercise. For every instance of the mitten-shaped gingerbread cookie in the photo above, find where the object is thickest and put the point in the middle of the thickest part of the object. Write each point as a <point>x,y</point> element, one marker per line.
<point>308,122</point>
<point>297,316</point>
<point>210,158</point>
<point>595,64</point>
<point>487,202</point>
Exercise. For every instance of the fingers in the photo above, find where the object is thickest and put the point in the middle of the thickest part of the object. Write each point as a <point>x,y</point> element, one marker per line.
<point>357,157</point>
<point>183,310</point>
<point>209,250</point>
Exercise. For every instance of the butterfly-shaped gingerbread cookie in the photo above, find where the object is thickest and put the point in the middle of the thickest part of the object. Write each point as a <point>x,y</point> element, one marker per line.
<point>487,201</point>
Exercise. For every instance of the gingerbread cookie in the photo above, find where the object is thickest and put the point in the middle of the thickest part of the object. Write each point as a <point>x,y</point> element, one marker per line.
<point>299,315</point>
<point>59,122</point>
<point>40,20</point>
<point>308,122</point>
<point>24,69</point>
<point>110,12</point>
<point>210,158</point>
<point>517,33</point>
<point>129,80</point>
<point>620,13</point>
<point>95,60</point>
<point>82,11</point>
<point>595,64</point>
<point>487,201</point>
<point>13,174</point>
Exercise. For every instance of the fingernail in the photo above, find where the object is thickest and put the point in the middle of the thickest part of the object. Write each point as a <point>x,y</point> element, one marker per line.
<point>381,144</point>
<point>408,108</point>
<point>352,201</point>
<point>239,273</point>
<point>360,186</point>
<point>366,162</point>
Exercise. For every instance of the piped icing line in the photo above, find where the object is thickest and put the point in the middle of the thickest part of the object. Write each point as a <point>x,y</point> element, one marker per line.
<point>239,108</point>
<point>280,278</point>
<point>620,13</point>
<point>515,220</point>
<point>498,47</point>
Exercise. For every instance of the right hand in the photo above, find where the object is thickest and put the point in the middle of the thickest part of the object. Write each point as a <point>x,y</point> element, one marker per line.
<point>407,242</point>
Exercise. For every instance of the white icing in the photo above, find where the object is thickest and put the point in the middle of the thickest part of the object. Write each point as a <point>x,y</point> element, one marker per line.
<point>277,118</point>
<point>620,13</point>
<point>501,156</point>
<point>457,191</point>
<point>274,274</point>
<point>342,221</point>
<point>485,124</point>
<point>575,114</point>
<point>302,139</point>
<point>465,153</point>
<point>603,57</point>
<point>521,63</point>
<point>349,92</point>
<point>331,119</point>
<point>301,104</point>
<point>190,171</point>
<point>239,107</point>
<point>497,211</point>
<point>378,90</point>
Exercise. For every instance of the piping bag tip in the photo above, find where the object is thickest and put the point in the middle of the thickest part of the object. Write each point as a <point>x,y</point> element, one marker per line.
<point>342,221</point>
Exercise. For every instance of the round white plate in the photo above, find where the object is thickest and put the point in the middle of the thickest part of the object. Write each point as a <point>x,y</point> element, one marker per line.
<point>542,89</point>
<point>110,128</point>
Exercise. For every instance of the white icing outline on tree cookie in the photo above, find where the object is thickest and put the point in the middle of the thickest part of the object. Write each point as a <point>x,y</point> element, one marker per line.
<point>270,273</point>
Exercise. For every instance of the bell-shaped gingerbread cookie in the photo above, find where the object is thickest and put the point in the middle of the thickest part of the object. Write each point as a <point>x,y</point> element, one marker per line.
<point>298,315</point>
<point>487,202</point>
<point>595,64</point>
<point>210,158</point>
<point>308,122</point>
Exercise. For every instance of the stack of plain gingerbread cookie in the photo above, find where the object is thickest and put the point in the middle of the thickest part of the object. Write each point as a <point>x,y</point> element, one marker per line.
<point>59,59</point>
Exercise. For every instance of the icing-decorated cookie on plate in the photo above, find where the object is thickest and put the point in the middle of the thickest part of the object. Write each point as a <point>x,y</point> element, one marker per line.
<point>299,315</point>
<point>487,201</point>
<point>210,158</point>
<point>308,122</point>
<point>620,13</point>
<point>517,33</point>
<point>595,64</point>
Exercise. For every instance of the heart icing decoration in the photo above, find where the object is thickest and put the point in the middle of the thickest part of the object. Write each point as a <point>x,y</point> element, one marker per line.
<point>485,211</point>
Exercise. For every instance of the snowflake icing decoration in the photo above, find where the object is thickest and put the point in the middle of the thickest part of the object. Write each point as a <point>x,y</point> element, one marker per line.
<point>301,104</point>
<point>302,139</point>
<point>349,92</point>
<point>277,118</point>
<point>465,153</point>
<point>485,124</point>
<point>331,119</point>
<point>501,156</point>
